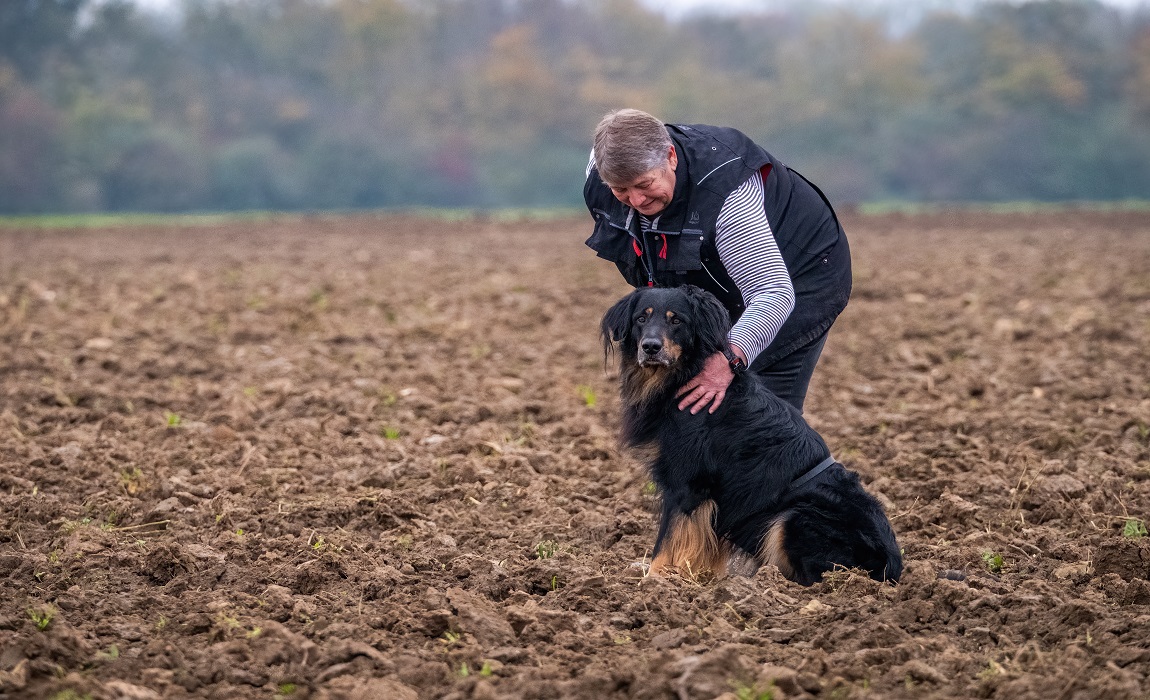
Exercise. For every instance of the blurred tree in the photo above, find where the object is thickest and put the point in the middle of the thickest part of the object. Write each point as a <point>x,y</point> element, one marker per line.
<point>1138,84</point>
<point>366,103</point>
<point>34,33</point>
<point>29,148</point>
<point>161,170</point>
<point>254,173</point>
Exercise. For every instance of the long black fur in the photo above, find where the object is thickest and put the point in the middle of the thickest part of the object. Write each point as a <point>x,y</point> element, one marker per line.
<point>744,456</point>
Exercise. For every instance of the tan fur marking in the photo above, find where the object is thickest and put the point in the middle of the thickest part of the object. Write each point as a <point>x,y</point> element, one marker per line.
<point>672,350</point>
<point>772,551</point>
<point>692,547</point>
<point>670,315</point>
<point>640,383</point>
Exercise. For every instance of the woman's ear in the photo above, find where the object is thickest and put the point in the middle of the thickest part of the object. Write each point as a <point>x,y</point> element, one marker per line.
<point>712,320</point>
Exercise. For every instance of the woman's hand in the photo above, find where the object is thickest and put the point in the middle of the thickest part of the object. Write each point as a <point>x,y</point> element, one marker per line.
<point>709,386</point>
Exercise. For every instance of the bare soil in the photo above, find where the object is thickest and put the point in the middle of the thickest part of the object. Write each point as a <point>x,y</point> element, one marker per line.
<point>363,457</point>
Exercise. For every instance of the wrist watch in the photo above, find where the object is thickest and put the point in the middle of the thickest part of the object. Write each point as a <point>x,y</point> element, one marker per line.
<point>736,362</point>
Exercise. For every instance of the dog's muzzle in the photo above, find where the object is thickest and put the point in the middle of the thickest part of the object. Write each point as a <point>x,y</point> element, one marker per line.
<point>652,353</point>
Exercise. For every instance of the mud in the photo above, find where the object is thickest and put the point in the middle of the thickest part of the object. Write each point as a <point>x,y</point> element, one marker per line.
<point>359,457</point>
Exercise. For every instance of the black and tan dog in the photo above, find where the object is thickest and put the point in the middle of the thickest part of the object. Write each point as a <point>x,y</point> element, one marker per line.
<point>750,480</point>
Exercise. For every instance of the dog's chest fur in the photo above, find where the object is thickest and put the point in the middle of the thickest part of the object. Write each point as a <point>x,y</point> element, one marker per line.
<point>752,440</point>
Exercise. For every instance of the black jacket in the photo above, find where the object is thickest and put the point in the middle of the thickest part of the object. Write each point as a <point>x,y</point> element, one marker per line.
<point>712,163</point>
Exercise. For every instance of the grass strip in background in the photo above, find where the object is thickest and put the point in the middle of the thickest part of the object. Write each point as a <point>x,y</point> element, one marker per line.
<point>124,220</point>
<point>1017,207</point>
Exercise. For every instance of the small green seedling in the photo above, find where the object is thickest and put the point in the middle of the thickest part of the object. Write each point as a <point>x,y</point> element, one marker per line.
<point>744,691</point>
<point>994,562</point>
<point>486,670</point>
<point>650,489</point>
<point>451,638</point>
<point>132,480</point>
<point>588,395</point>
<point>42,617</point>
<point>173,419</point>
<point>286,688</point>
<point>464,670</point>
<point>71,695</point>
<point>546,549</point>
<point>390,433</point>
<point>1134,529</point>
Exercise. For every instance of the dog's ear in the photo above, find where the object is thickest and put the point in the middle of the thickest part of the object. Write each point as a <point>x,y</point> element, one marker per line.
<point>616,322</point>
<point>712,320</point>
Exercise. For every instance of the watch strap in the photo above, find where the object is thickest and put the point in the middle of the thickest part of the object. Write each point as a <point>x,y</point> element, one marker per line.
<point>738,366</point>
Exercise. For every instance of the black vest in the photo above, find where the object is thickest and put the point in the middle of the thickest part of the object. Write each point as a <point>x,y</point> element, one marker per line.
<point>712,163</point>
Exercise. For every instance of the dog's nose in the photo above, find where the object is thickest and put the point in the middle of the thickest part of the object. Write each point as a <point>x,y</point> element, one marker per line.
<point>651,346</point>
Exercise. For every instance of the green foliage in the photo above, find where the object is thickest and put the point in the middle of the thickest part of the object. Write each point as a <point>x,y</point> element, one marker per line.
<point>587,393</point>
<point>110,654</point>
<point>451,637</point>
<point>42,616</point>
<point>994,562</point>
<point>70,695</point>
<point>1134,529</point>
<point>347,104</point>
<point>744,691</point>
<point>546,549</point>
<point>173,419</point>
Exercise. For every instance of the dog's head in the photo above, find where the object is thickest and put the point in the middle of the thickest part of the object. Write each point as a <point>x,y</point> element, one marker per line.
<point>660,328</point>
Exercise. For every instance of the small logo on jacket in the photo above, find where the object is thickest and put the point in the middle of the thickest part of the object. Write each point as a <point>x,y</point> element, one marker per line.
<point>693,218</point>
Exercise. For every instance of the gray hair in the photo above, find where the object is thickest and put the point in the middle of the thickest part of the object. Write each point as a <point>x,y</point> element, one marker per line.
<point>628,144</point>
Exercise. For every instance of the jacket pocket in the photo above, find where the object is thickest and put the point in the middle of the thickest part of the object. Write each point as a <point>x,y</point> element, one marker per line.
<point>683,250</point>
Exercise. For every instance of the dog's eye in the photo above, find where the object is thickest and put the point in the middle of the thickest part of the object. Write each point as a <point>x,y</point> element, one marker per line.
<point>641,319</point>
<point>675,321</point>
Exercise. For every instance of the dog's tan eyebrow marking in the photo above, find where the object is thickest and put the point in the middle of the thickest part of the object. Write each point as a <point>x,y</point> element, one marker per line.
<point>670,315</point>
<point>650,310</point>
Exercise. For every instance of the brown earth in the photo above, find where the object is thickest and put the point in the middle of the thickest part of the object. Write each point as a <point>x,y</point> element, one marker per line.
<point>375,458</point>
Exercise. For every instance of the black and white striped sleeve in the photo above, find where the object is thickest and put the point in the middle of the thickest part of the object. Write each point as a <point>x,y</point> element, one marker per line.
<point>748,251</point>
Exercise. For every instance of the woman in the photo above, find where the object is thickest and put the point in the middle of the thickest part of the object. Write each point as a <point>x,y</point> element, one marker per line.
<point>705,205</point>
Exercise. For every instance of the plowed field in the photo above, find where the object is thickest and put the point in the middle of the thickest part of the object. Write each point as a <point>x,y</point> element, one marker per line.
<point>361,457</point>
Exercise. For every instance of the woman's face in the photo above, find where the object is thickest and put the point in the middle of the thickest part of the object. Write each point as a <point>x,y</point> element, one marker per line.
<point>651,192</point>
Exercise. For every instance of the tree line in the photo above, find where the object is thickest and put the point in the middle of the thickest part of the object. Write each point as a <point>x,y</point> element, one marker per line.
<point>335,104</point>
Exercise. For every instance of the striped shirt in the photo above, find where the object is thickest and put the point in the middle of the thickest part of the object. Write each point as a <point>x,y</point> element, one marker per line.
<point>748,251</point>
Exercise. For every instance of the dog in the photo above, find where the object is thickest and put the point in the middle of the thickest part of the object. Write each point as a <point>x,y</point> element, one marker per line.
<point>751,481</point>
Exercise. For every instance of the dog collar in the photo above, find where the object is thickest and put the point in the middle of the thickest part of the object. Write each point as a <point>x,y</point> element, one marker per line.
<point>812,473</point>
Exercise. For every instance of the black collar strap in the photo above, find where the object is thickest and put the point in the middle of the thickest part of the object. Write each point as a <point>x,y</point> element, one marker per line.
<point>812,473</point>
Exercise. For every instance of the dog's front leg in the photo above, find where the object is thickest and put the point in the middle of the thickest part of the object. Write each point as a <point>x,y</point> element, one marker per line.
<point>688,543</point>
